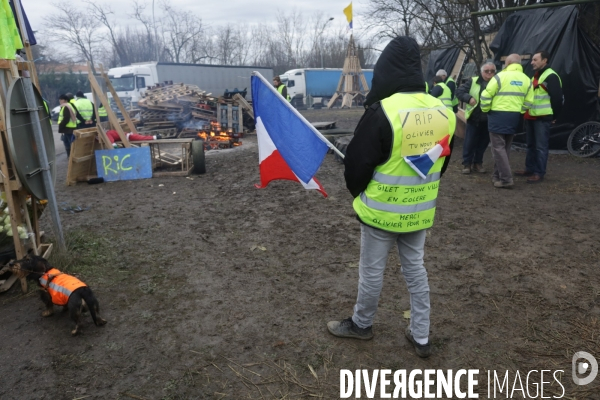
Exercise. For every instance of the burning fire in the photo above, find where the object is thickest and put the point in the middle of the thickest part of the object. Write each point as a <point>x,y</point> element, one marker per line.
<point>215,133</point>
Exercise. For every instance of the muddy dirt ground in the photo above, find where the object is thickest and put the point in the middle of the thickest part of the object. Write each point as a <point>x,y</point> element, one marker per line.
<point>216,290</point>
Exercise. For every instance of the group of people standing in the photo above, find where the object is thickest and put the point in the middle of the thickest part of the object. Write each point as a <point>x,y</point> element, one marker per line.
<point>394,203</point>
<point>494,106</point>
<point>76,112</point>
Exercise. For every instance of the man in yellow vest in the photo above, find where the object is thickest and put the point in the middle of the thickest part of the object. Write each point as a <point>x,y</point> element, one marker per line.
<point>67,122</point>
<point>102,113</point>
<point>451,83</point>
<point>86,110</point>
<point>477,136</point>
<point>507,96</point>
<point>394,203</point>
<point>547,105</point>
<point>80,120</point>
<point>442,91</point>
<point>281,88</point>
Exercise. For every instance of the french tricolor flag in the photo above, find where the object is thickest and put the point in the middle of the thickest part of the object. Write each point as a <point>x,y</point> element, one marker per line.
<point>423,163</point>
<point>289,147</point>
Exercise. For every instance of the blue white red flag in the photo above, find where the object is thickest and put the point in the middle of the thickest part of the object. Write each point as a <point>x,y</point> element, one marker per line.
<point>423,163</point>
<point>288,146</point>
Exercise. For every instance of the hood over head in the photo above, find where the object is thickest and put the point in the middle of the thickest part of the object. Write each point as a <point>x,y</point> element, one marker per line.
<point>398,69</point>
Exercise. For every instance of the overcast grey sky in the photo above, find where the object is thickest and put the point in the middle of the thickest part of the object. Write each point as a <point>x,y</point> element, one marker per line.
<point>213,12</point>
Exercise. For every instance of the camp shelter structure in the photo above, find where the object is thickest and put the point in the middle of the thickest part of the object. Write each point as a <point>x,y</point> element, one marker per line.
<point>573,56</point>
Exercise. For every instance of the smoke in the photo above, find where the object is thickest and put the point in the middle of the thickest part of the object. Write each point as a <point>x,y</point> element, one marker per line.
<point>197,124</point>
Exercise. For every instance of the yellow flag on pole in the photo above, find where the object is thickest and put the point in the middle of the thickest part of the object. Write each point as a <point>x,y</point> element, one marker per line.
<point>348,13</point>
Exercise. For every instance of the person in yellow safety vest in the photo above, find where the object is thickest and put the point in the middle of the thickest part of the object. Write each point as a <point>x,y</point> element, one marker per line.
<point>67,122</point>
<point>547,106</point>
<point>47,110</point>
<point>451,83</point>
<point>102,113</point>
<point>477,136</point>
<point>281,88</point>
<point>442,92</point>
<point>86,110</point>
<point>507,96</point>
<point>80,119</point>
<point>394,203</point>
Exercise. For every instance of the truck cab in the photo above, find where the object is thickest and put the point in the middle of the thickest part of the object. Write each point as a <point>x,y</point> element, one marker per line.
<point>296,85</point>
<point>130,82</point>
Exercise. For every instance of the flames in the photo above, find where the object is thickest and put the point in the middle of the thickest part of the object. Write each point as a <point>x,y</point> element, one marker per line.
<point>216,136</point>
<point>214,132</point>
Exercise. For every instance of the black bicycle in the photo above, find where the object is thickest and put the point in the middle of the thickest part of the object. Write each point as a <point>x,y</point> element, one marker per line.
<point>584,141</point>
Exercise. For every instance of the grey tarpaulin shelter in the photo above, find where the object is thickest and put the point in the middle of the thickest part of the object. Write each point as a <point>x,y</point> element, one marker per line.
<point>441,59</point>
<point>572,55</point>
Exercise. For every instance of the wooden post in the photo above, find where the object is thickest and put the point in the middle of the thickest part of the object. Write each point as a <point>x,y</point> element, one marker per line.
<point>349,87</point>
<point>111,115</point>
<point>110,87</point>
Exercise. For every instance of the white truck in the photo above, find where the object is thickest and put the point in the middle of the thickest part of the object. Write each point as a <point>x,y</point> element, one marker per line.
<point>315,86</point>
<point>130,82</point>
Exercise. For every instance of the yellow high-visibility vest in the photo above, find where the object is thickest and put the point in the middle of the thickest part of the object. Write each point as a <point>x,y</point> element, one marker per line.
<point>397,199</point>
<point>280,90</point>
<point>61,115</point>
<point>446,96</point>
<point>509,90</point>
<point>541,98</point>
<point>474,93</point>
<point>85,107</point>
<point>454,98</point>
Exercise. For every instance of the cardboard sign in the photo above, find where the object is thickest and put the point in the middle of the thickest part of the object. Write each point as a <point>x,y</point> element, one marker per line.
<point>124,164</point>
<point>422,128</point>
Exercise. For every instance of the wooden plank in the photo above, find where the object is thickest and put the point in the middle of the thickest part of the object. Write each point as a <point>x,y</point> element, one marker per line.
<point>165,141</point>
<point>46,250</point>
<point>163,174</point>
<point>118,101</point>
<point>244,104</point>
<point>8,283</point>
<point>82,147</point>
<point>111,115</point>
<point>103,136</point>
<point>82,159</point>
<point>523,57</point>
<point>229,116</point>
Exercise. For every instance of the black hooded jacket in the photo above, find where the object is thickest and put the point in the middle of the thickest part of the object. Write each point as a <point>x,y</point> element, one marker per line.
<point>398,70</point>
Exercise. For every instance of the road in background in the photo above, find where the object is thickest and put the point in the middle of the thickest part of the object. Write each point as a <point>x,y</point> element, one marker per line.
<point>58,144</point>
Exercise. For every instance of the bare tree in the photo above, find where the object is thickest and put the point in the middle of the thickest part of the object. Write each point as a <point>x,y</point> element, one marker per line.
<point>76,29</point>
<point>103,15</point>
<point>182,33</point>
<point>439,23</point>
<point>291,32</point>
<point>392,18</point>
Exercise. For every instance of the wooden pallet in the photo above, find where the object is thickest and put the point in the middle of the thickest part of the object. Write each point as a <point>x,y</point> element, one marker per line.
<point>82,161</point>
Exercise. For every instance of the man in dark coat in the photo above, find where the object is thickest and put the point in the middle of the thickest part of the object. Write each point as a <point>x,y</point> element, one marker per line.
<point>477,136</point>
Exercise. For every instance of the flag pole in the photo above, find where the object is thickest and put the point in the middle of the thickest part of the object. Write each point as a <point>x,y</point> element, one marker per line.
<point>288,105</point>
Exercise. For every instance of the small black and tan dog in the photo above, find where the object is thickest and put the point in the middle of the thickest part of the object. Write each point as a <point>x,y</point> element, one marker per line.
<point>57,288</point>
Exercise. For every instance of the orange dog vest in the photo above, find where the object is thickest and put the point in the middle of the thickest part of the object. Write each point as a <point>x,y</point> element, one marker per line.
<point>60,286</point>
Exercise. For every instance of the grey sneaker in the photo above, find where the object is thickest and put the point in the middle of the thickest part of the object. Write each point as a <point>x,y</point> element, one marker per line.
<point>423,350</point>
<point>348,329</point>
<point>504,185</point>
<point>466,169</point>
